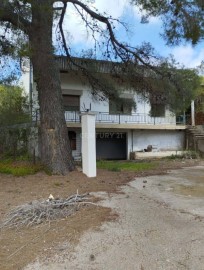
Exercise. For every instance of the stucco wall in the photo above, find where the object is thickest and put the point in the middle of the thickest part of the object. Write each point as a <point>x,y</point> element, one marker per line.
<point>25,81</point>
<point>72,83</point>
<point>161,140</point>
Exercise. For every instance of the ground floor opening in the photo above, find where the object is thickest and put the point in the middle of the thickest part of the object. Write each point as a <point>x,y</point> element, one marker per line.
<point>111,145</point>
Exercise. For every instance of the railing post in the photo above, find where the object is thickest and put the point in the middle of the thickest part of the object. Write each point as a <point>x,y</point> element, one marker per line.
<point>75,116</point>
<point>119,118</point>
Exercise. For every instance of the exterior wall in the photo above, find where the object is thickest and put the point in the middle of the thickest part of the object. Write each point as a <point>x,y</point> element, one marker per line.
<point>138,140</point>
<point>161,140</point>
<point>25,81</point>
<point>72,84</point>
<point>142,106</point>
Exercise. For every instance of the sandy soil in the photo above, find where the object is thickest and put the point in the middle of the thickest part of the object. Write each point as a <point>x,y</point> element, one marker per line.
<point>19,247</point>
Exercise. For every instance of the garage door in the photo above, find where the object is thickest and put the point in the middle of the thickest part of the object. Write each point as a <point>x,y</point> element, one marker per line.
<point>111,145</point>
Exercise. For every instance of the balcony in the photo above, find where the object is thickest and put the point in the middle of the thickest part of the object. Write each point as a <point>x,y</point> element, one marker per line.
<point>122,119</point>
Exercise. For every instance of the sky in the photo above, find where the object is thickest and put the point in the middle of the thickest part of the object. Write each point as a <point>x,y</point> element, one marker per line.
<point>185,54</point>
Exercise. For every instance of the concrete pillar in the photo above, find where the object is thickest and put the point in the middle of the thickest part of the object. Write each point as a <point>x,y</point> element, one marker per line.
<point>88,144</point>
<point>192,113</point>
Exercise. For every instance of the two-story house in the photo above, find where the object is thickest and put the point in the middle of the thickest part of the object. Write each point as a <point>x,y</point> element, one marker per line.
<point>120,129</point>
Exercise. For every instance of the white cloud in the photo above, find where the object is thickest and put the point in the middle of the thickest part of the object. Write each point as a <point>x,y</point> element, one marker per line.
<point>189,56</point>
<point>138,13</point>
<point>114,8</point>
<point>76,27</point>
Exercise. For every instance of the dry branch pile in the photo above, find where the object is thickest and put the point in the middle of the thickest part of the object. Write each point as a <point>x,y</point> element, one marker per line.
<point>36,212</point>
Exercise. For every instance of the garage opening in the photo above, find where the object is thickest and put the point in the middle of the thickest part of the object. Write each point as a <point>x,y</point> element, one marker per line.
<point>111,145</point>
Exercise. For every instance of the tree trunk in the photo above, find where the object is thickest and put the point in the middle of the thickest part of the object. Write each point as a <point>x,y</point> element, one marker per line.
<point>55,149</point>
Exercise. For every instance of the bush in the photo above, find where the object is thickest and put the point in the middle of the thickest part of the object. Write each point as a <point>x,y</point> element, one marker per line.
<point>19,168</point>
<point>15,121</point>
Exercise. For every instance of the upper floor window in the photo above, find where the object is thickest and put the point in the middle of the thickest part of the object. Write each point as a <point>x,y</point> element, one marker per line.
<point>71,102</point>
<point>123,106</point>
<point>157,110</point>
<point>157,103</point>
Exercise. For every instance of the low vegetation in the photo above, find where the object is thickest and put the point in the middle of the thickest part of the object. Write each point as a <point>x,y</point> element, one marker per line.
<point>125,165</point>
<point>22,166</point>
<point>19,167</point>
<point>185,155</point>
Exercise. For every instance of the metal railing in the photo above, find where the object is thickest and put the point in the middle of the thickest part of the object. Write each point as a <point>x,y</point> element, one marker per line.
<point>137,118</point>
<point>72,116</point>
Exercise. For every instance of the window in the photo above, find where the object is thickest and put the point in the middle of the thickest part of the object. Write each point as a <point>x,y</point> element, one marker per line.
<point>157,110</point>
<point>122,106</point>
<point>71,103</point>
<point>157,102</point>
<point>72,139</point>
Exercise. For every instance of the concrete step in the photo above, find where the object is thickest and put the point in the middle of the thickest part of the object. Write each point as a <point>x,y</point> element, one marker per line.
<point>198,135</point>
<point>194,134</point>
<point>193,131</point>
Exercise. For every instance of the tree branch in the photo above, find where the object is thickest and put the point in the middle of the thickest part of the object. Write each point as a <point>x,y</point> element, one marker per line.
<point>8,15</point>
<point>97,82</point>
<point>122,50</point>
<point>58,8</point>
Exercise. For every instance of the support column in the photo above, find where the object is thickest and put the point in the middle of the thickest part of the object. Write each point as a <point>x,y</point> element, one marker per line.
<point>192,113</point>
<point>88,144</point>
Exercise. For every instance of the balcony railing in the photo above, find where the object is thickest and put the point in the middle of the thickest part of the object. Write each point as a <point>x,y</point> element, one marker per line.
<point>137,118</point>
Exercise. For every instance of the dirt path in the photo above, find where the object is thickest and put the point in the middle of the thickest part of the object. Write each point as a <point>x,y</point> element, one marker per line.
<point>148,235</point>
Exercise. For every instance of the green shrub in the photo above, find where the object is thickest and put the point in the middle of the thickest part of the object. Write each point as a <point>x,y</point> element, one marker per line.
<point>21,169</point>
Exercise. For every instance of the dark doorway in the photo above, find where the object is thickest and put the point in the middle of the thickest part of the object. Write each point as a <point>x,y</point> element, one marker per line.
<point>111,145</point>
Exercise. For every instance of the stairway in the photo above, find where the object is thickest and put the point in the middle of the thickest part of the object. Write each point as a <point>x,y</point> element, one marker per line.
<point>195,139</point>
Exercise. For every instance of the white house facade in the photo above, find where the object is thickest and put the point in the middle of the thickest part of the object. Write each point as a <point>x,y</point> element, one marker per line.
<point>119,130</point>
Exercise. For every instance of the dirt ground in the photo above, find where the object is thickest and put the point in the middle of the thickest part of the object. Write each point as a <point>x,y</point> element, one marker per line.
<point>149,234</point>
<point>19,247</point>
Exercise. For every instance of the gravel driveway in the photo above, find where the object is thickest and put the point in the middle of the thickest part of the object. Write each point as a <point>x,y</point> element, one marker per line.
<point>159,227</point>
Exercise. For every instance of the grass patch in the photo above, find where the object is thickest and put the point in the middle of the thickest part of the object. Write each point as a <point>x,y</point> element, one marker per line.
<point>19,168</point>
<point>125,166</point>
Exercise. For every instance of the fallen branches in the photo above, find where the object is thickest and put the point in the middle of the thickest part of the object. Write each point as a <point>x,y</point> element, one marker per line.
<point>37,212</point>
